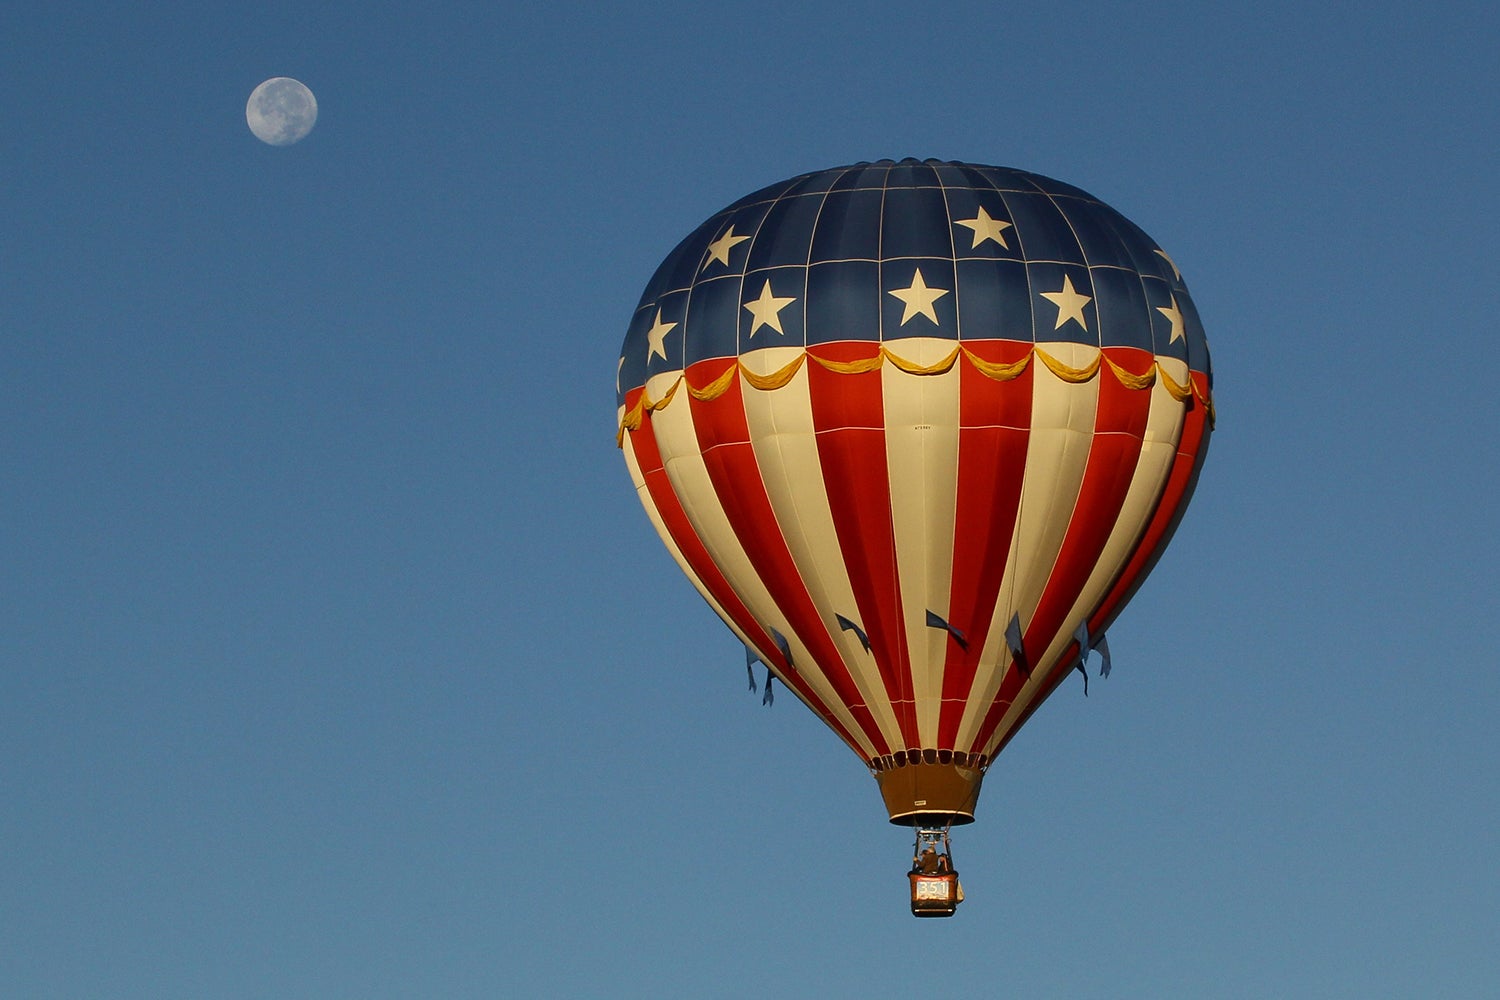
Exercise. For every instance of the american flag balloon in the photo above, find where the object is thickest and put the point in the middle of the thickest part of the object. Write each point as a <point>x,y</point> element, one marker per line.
<point>916,431</point>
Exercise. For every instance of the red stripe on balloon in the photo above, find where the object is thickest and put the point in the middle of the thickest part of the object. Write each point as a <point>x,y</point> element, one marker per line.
<point>674,517</point>
<point>994,431</point>
<point>1120,421</point>
<point>724,440</point>
<point>848,413</point>
<point>1192,448</point>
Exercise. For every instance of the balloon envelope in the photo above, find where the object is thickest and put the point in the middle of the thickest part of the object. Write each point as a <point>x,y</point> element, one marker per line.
<point>916,431</point>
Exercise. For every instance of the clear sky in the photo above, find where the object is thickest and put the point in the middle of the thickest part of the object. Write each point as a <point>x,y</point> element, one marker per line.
<point>338,660</point>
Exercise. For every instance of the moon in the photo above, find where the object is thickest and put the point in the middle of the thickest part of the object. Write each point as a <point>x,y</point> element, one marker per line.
<point>281,111</point>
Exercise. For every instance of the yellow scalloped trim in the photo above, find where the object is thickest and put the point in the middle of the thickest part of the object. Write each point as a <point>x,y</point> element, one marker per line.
<point>999,371</point>
<point>716,388</point>
<point>1066,372</point>
<point>1132,381</point>
<point>776,379</point>
<point>719,385</point>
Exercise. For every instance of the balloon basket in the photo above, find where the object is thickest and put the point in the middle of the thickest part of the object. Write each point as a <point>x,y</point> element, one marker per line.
<point>935,891</point>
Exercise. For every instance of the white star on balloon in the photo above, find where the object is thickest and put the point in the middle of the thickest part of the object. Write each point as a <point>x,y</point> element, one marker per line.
<point>986,228</point>
<point>1069,303</point>
<point>1163,255</point>
<point>918,298</point>
<point>719,249</point>
<point>767,310</point>
<point>1175,315</point>
<point>656,337</point>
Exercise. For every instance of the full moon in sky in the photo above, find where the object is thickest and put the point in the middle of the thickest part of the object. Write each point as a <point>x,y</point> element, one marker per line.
<point>281,111</point>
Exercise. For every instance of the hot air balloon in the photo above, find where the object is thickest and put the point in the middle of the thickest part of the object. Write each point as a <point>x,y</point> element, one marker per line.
<point>916,431</point>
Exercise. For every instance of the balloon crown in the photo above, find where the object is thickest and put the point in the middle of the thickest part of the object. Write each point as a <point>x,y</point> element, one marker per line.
<point>890,251</point>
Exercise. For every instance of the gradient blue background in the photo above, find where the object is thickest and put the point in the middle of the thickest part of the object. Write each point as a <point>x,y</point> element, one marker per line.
<point>338,660</point>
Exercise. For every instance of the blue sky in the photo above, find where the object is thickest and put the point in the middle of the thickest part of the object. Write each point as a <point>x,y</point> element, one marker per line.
<point>337,658</point>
